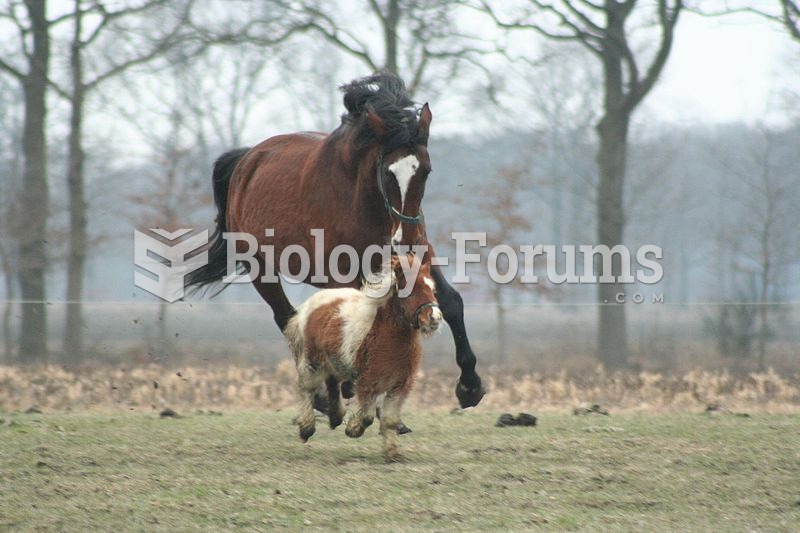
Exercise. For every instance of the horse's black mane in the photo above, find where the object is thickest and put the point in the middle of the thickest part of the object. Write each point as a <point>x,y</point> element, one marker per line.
<point>385,95</point>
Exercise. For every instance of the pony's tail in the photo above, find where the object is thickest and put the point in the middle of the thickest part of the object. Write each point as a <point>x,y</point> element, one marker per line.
<point>217,265</point>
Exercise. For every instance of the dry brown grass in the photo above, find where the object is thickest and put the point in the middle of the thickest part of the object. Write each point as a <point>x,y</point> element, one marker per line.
<point>187,389</point>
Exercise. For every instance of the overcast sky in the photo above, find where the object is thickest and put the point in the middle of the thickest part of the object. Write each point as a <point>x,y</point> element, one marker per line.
<point>725,69</point>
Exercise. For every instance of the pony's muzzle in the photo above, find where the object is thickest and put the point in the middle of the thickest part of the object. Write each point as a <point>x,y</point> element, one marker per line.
<point>430,319</point>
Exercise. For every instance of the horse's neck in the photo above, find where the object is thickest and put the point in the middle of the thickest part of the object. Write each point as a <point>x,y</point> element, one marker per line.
<point>353,170</point>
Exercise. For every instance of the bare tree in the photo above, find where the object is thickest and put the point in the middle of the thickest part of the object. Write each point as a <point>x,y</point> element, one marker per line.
<point>33,28</point>
<point>760,233</point>
<point>505,210</point>
<point>10,172</point>
<point>418,36</point>
<point>81,83</point>
<point>601,29</point>
<point>791,17</point>
<point>174,192</point>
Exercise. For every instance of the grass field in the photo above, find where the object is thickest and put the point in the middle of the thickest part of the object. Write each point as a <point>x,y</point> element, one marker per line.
<point>628,472</point>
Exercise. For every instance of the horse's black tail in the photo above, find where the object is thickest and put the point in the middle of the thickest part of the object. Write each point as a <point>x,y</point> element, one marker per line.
<point>217,265</point>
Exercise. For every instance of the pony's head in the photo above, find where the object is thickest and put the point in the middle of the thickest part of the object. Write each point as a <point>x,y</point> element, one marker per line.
<point>420,308</point>
<point>385,118</point>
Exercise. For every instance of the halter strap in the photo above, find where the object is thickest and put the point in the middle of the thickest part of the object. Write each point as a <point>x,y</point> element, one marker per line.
<point>389,207</point>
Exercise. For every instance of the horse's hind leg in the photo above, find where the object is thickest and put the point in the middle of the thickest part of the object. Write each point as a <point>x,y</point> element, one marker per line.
<point>272,293</point>
<point>362,418</point>
<point>390,419</point>
<point>335,407</point>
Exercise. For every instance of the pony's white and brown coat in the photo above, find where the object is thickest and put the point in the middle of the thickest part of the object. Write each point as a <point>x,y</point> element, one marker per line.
<point>349,335</point>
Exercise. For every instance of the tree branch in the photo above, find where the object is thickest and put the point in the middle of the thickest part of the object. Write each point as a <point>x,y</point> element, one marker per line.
<point>584,18</point>
<point>11,70</point>
<point>172,38</point>
<point>791,17</point>
<point>668,18</point>
<point>110,16</point>
<point>332,35</point>
<point>577,34</point>
<point>377,9</point>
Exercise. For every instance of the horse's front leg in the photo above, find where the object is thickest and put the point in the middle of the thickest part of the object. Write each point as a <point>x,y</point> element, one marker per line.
<point>469,389</point>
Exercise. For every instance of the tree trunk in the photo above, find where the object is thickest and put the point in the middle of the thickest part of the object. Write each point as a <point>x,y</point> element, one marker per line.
<point>391,20</point>
<point>8,276</point>
<point>34,200</point>
<point>612,337</point>
<point>612,341</point>
<point>73,332</point>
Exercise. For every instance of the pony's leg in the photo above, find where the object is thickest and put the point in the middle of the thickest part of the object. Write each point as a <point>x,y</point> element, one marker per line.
<point>282,312</point>
<point>335,407</point>
<point>469,389</point>
<point>307,382</point>
<point>390,420</point>
<point>348,389</point>
<point>362,418</point>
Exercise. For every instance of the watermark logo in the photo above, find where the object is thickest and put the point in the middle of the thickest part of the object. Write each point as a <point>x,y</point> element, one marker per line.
<point>167,260</point>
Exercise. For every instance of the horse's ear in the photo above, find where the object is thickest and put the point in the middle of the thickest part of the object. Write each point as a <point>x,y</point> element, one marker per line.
<point>375,122</point>
<point>425,117</point>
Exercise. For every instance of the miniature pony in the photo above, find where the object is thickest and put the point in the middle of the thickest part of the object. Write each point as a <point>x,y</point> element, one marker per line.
<point>351,335</point>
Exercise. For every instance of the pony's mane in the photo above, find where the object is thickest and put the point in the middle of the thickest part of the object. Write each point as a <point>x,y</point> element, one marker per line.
<point>385,95</point>
<point>380,285</point>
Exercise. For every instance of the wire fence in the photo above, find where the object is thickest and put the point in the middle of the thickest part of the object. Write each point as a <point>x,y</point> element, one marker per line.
<point>545,337</point>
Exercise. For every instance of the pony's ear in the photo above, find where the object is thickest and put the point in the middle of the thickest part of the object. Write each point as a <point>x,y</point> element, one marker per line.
<point>395,262</point>
<point>375,122</point>
<point>425,117</point>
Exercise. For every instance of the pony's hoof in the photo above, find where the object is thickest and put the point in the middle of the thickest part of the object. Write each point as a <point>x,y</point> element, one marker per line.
<point>335,420</point>
<point>354,432</point>
<point>305,433</point>
<point>402,429</point>
<point>394,456</point>
<point>469,396</point>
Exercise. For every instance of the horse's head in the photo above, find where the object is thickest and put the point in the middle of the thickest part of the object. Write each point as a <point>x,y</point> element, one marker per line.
<point>393,135</point>
<point>420,308</point>
<point>402,174</point>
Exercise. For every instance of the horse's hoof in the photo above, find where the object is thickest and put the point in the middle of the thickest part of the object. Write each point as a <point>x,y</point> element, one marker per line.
<point>469,396</point>
<point>305,433</point>
<point>402,429</point>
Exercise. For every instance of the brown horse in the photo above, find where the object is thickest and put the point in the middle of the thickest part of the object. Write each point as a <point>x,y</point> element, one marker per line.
<point>370,337</point>
<point>363,184</point>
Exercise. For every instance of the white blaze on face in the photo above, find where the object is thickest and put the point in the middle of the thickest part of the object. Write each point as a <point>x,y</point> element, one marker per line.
<point>430,283</point>
<point>397,238</point>
<point>403,170</point>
